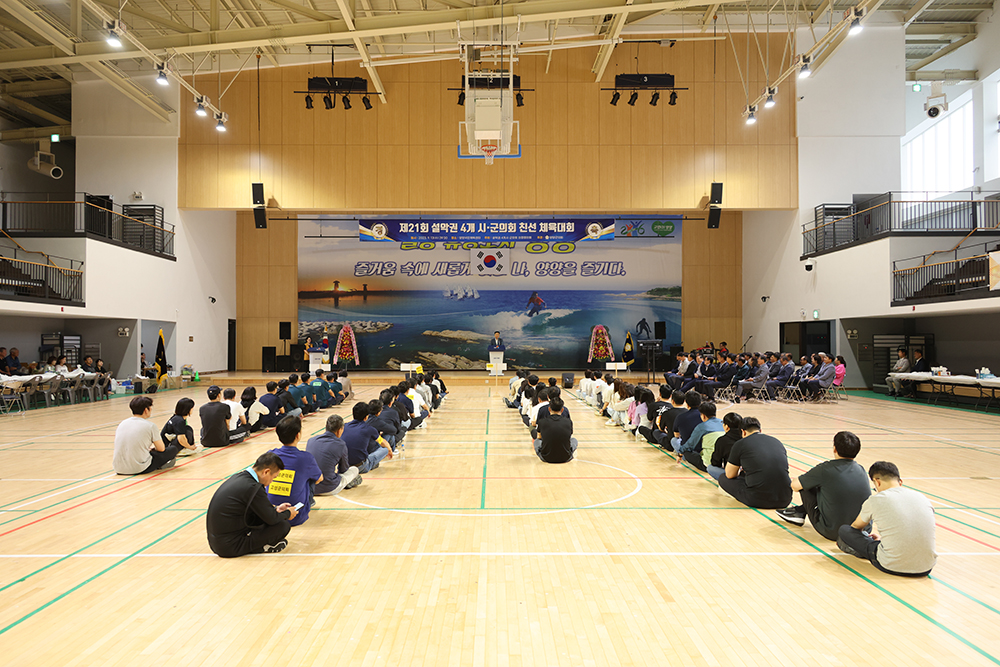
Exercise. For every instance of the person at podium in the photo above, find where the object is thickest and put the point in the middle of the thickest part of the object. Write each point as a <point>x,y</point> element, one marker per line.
<point>496,344</point>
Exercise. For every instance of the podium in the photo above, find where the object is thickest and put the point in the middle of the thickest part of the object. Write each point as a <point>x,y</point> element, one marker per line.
<point>316,362</point>
<point>496,366</point>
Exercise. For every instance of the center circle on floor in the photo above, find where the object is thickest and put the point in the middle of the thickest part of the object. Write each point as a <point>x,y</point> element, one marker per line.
<point>511,512</point>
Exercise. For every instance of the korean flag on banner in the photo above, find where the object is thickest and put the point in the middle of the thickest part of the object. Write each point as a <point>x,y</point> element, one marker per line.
<point>489,261</point>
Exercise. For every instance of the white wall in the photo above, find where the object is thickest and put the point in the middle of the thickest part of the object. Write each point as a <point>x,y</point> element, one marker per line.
<point>16,177</point>
<point>122,148</point>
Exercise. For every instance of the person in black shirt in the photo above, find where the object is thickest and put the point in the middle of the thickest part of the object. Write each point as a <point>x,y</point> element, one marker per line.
<point>241,520</point>
<point>389,417</point>
<point>732,422</point>
<point>215,417</point>
<point>687,421</point>
<point>555,443</point>
<point>659,416</point>
<point>178,431</point>
<point>757,470</point>
<point>88,364</point>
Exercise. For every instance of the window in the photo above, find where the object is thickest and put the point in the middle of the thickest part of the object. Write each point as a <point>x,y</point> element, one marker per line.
<point>939,159</point>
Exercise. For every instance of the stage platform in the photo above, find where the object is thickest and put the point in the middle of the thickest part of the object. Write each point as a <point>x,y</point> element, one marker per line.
<point>386,377</point>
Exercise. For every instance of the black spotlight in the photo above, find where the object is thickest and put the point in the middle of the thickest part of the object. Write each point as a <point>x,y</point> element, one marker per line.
<point>520,99</point>
<point>655,99</point>
<point>309,101</point>
<point>633,98</point>
<point>614,98</point>
<point>347,101</point>
<point>461,99</point>
<point>328,101</point>
<point>367,102</point>
<point>673,98</point>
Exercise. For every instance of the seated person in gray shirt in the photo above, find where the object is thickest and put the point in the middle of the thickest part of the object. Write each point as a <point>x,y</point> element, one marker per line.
<point>901,541</point>
<point>833,491</point>
<point>138,448</point>
<point>330,452</point>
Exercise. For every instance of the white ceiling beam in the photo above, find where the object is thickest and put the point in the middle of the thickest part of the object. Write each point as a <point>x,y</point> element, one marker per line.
<point>952,75</point>
<point>924,29</point>
<point>709,17</point>
<point>820,11</point>
<point>33,110</point>
<point>604,53</point>
<point>146,16</point>
<point>41,25</point>
<point>366,57</point>
<point>954,46</point>
<point>533,11</point>
<point>35,88</point>
<point>918,8</point>
<point>29,133</point>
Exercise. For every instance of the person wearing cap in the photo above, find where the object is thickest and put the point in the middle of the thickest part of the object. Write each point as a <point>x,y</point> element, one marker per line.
<point>215,416</point>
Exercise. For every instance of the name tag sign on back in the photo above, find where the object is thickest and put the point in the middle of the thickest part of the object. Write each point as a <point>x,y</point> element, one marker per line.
<point>282,483</point>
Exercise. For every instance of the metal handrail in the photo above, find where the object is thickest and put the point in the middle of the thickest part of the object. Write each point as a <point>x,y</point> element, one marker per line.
<point>832,222</point>
<point>48,266</point>
<point>950,261</point>
<point>87,203</point>
<point>36,252</point>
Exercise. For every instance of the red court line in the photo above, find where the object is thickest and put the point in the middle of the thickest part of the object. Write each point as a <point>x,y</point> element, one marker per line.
<point>128,486</point>
<point>479,479</point>
<point>968,537</point>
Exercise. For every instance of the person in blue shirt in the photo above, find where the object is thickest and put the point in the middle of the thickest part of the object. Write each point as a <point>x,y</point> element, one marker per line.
<point>336,388</point>
<point>295,484</point>
<point>690,450</point>
<point>320,388</point>
<point>274,404</point>
<point>300,394</point>
<point>365,447</point>
<point>685,423</point>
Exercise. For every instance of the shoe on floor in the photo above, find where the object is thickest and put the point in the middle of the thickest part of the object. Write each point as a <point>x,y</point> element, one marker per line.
<point>353,483</point>
<point>610,422</point>
<point>168,464</point>
<point>842,545</point>
<point>276,547</point>
<point>795,515</point>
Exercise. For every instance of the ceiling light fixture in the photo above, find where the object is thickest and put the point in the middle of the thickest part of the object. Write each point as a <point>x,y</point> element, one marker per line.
<point>113,40</point>
<point>673,98</point>
<point>769,102</point>
<point>654,99</point>
<point>614,98</point>
<point>161,77</point>
<point>804,70</point>
<point>347,101</point>
<point>201,101</point>
<point>751,114</point>
<point>221,119</point>
<point>633,98</point>
<point>328,101</point>
<point>367,101</point>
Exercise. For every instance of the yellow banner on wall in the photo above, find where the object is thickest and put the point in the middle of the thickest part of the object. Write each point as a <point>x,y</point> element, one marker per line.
<point>994,271</point>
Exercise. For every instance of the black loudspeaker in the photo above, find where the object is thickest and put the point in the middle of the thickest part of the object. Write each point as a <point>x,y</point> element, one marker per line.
<point>260,217</point>
<point>283,363</point>
<point>568,380</point>
<point>268,360</point>
<point>716,197</point>
<point>299,363</point>
<point>660,330</point>
<point>714,216</point>
<point>285,330</point>
<point>258,193</point>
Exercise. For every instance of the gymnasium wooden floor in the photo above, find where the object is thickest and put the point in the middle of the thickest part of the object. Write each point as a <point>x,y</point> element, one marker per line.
<point>469,551</point>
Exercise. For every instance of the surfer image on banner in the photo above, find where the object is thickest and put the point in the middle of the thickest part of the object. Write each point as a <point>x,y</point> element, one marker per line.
<point>535,304</point>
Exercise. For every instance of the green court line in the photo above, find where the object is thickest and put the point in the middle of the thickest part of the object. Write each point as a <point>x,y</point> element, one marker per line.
<point>486,458</point>
<point>964,594</point>
<point>487,421</point>
<point>104,571</point>
<point>55,562</point>
<point>66,500</point>
<point>106,472</point>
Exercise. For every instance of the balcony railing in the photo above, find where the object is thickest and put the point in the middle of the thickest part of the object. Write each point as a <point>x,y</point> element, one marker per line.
<point>960,273</point>
<point>836,225</point>
<point>32,280</point>
<point>87,214</point>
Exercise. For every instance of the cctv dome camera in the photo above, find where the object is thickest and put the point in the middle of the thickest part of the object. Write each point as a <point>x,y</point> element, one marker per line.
<point>810,264</point>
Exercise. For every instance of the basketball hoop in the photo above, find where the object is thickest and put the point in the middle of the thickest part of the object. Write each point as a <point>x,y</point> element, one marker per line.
<point>488,152</point>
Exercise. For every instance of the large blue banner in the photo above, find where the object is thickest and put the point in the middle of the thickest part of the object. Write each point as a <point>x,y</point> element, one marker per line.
<point>432,302</point>
<point>521,230</point>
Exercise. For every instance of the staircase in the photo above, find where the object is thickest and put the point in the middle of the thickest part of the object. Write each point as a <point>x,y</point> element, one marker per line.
<point>971,274</point>
<point>16,282</point>
<point>33,280</point>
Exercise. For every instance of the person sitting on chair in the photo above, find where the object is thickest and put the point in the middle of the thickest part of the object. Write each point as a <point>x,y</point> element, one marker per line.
<point>756,381</point>
<point>822,379</point>
<point>902,365</point>
<point>781,378</point>
<point>920,365</point>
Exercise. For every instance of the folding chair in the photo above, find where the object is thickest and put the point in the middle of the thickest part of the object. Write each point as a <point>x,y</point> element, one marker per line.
<point>727,393</point>
<point>72,389</point>
<point>760,395</point>
<point>839,391</point>
<point>10,395</point>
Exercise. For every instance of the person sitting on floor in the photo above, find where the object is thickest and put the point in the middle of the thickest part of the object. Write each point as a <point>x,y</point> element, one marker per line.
<point>345,383</point>
<point>690,450</point>
<point>333,379</point>
<point>330,452</point>
<point>900,539</point>
<point>757,470</point>
<point>832,492</point>
<point>294,484</point>
<point>389,417</point>
<point>322,396</point>
<point>241,520</point>
<point>714,457</point>
<point>273,403</point>
<point>215,416</point>
<point>555,442</point>
<point>178,431</point>
<point>301,396</point>
<point>365,447</point>
<point>138,450</point>
<point>663,431</point>
<point>686,422</point>
<point>237,417</point>
<point>254,409</point>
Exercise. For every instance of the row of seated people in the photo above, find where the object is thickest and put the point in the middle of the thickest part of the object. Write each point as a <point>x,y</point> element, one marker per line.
<point>893,529</point>
<point>11,365</point>
<point>332,461</point>
<point>745,373</point>
<point>544,413</point>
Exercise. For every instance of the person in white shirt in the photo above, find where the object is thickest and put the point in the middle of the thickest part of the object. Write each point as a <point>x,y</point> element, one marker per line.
<point>585,385</point>
<point>419,405</point>
<point>606,396</point>
<point>543,401</point>
<point>237,414</point>
<point>596,391</point>
<point>138,448</point>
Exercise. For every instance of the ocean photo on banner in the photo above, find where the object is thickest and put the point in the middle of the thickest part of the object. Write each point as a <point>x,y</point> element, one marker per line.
<point>424,301</point>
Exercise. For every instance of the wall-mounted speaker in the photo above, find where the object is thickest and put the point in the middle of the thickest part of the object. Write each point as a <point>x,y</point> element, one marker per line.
<point>260,217</point>
<point>285,330</point>
<point>660,330</point>
<point>716,196</point>
<point>714,216</point>
<point>257,189</point>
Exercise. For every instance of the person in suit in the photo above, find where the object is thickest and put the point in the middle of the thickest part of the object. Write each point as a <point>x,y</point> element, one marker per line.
<point>755,381</point>
<point>723,377</point>
<point>822,379</point>
<point>496,344</point>
<point>706,369</point>
<point>781,378</point>
<point>920,365</point>
<point>694,363</point>
<point>241,520</point>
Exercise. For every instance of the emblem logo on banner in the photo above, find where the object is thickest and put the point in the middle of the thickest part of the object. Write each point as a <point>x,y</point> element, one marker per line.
<point>489,261</point>
<point>994,271</point>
